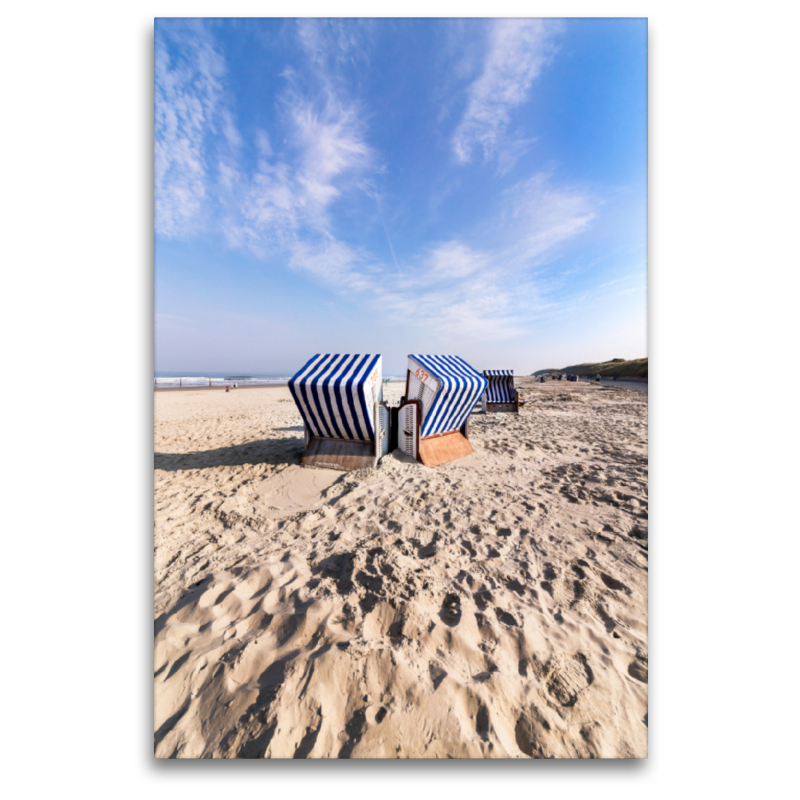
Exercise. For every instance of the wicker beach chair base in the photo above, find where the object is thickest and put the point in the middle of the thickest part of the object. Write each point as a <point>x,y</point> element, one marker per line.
<point>493,408</point>
<point>501,394</point>
<point>339,454</point>
<point>441,449</point>
<point>346,454</point>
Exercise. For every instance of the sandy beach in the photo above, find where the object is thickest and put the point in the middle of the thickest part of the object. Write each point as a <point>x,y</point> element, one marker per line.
<point>495,606</point>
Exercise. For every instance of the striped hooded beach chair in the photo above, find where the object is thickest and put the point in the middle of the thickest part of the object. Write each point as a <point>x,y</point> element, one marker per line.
<point>500,392</point>
<point>340,398</point>
<point>433,420</point>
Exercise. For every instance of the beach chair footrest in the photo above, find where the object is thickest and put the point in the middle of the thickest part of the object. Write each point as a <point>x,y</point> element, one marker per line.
<point>493,408</point>
<point>339,454</point>
<point>441,449</point>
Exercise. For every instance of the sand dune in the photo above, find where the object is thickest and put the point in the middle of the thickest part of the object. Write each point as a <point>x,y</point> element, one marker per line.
<point>491,607</point>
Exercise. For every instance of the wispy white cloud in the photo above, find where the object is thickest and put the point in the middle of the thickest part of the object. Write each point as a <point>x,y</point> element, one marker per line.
<point>453,260</point>
<point>457,289</point>
<point>286,203</point>
<point>473,286</point>
<point>512,149</point>
<point>619,280</point>
<point>272,204</point>
<point>189,111</point>
<point>263,144</point>
<point>542,215</point>
<point>332,146</point>
<point>334,262</point>
<point>333,43</point>
<point>518,51</point>
<point>497,292</point>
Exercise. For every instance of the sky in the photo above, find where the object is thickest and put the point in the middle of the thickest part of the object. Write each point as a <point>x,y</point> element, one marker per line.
<point>467,187</point>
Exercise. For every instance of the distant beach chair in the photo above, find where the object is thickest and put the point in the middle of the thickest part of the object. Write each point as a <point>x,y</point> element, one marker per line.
<point>346,422</point>
<point>500,392</point>
<point>433,419</point>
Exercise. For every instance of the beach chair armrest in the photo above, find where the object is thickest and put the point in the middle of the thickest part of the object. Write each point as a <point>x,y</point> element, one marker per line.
<point>409,417</point>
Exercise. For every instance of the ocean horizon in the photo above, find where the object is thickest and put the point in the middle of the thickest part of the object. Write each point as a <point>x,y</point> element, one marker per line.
<point>165,378</point>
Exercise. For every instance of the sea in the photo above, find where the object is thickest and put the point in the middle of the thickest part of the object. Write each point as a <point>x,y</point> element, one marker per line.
<point>174,380</point>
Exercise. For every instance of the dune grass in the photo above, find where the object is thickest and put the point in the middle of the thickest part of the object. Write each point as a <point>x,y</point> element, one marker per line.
<point>619,367</point>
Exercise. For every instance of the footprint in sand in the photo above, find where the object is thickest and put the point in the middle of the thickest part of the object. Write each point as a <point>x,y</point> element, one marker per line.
<point>437,673</point>
<point>569,680</point>
<point>579,572</point>
<point>308,741</point>
<point>506,618</point>
<point>613,583</point>
<point>450,613</point>
<point>638,670</point>
<point>482,723</point>
<point>177,665</point>
<point>483,598</point>
<point>354,729</point>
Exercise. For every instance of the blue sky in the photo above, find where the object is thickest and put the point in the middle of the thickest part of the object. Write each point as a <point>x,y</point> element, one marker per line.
<point>470,187</point>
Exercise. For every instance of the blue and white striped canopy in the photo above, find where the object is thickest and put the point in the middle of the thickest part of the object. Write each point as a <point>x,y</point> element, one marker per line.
<point>461,387</point>
<point>501,385</point>
<point>336,395</point>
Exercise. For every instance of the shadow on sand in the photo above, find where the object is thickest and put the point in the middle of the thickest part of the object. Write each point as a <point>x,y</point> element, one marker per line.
<point>264,451</point>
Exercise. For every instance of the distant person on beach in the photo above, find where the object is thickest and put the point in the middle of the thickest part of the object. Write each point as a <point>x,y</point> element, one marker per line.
<point>227,388</point>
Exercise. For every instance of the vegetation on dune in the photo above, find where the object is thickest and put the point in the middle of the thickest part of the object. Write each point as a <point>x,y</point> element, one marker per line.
<point>619,367</point>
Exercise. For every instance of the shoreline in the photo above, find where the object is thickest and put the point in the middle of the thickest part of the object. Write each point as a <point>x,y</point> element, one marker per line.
<point>206,388</point>
<point>251,386</point>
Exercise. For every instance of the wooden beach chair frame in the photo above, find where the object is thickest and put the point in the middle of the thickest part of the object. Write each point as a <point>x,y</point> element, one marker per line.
<point>507,407</point>
<point>431,450</point>
<point>335,395</point>
<point>346,454</point>
<point>439,448</point>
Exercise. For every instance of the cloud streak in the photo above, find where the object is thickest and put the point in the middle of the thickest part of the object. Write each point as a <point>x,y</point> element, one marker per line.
<point>496,293</point>
<point>517,53</point>
<point>189,112</point>
<point>286,205</point>
<point>282,207</point>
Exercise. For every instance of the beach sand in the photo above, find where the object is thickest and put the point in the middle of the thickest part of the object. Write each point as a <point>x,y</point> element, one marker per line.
<point>495,606</point>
